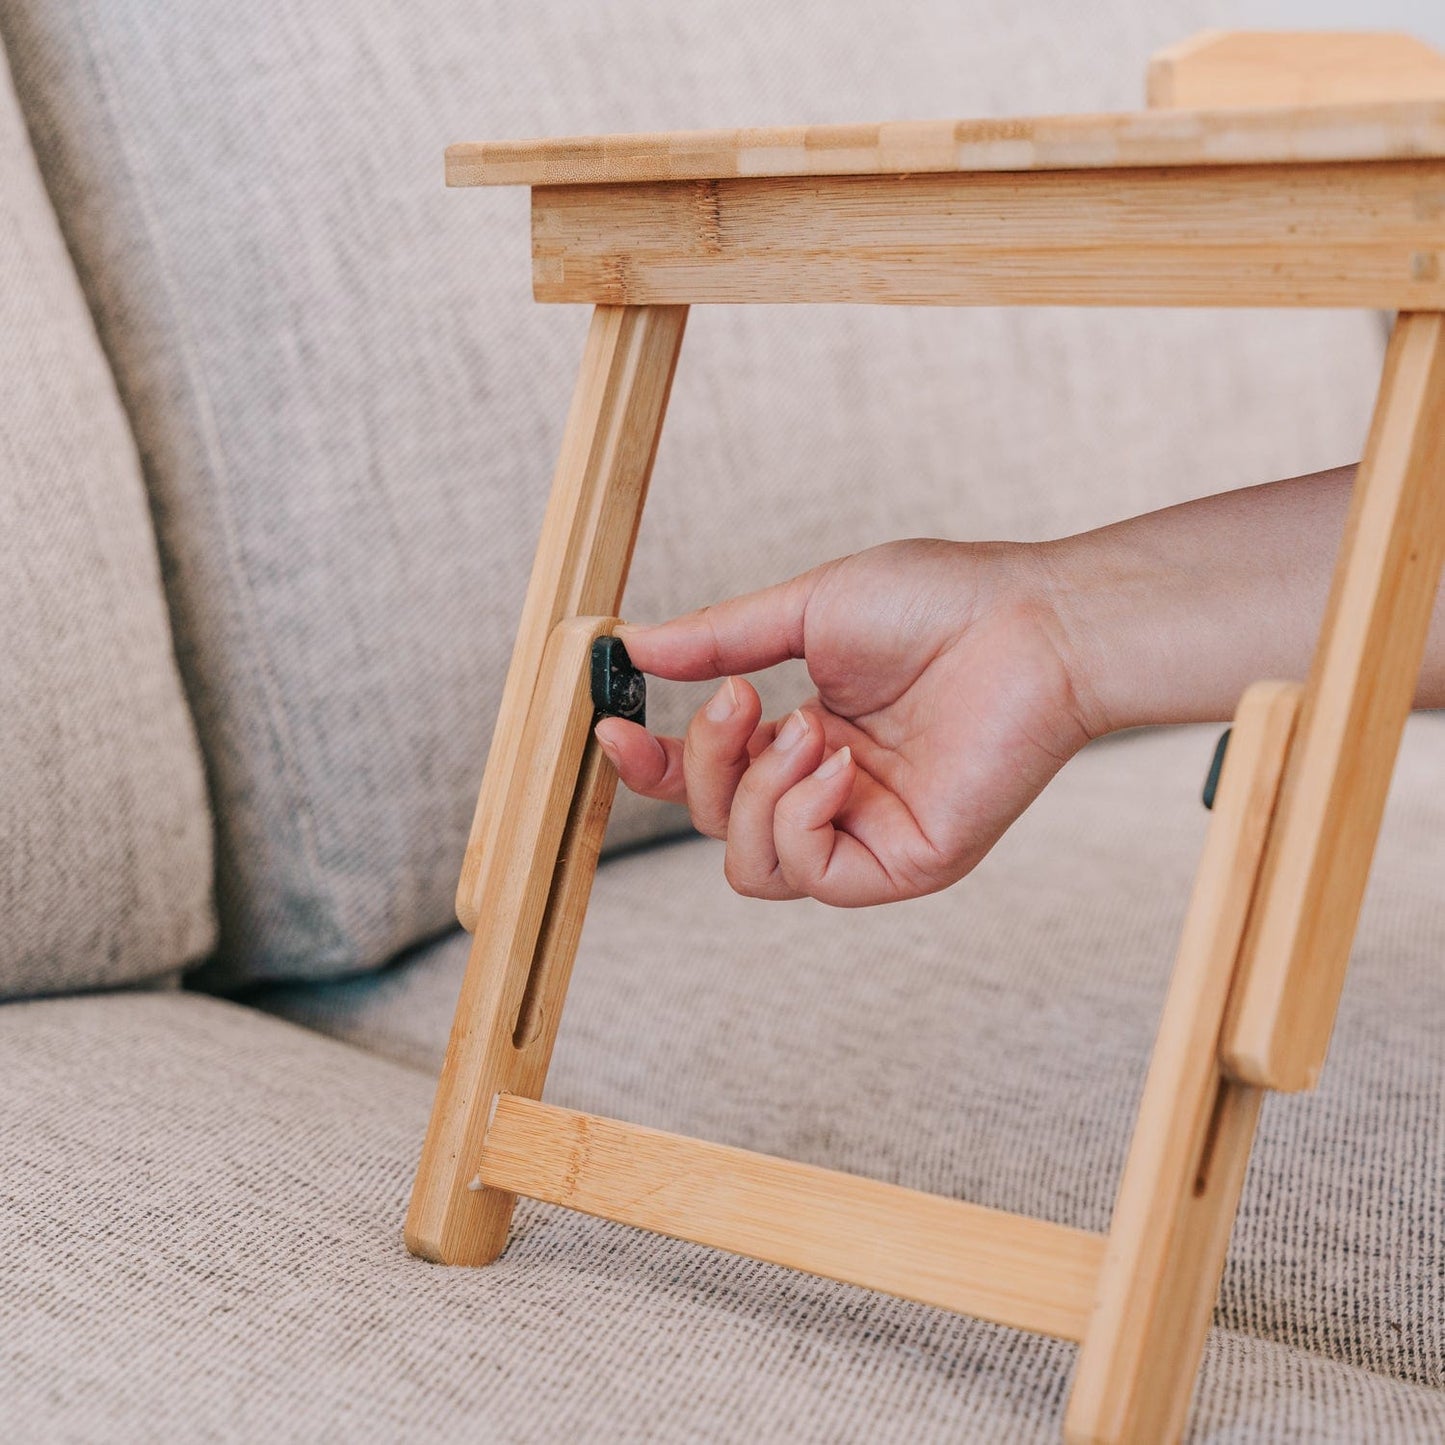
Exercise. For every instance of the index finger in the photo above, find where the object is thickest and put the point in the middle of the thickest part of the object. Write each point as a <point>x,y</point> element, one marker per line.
<point>739,635</point>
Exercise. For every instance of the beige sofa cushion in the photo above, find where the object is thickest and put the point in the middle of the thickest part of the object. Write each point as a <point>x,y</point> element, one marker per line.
<point>202,1213</point>
<point>105,836</point>
<point>349,406</point>
<point>989,1042</point>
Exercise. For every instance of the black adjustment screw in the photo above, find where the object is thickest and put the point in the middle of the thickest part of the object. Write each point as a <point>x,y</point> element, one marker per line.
<point>618,688</point>
<point>1216,766</point>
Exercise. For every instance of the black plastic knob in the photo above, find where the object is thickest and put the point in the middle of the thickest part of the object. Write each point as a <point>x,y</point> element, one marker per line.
<point>1216,766</point>
<point>618,688</point>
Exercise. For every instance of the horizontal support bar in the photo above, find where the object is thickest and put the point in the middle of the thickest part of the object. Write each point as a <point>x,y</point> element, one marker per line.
<point>998,1266</point>
<point>1339,234</point>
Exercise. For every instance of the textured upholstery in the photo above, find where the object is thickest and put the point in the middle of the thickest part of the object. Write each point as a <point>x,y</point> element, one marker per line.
<point>201,1222</point>
<point>347,411</point>
<point>105,861</point>
<point>349,407</point>
<point>990,1042</point>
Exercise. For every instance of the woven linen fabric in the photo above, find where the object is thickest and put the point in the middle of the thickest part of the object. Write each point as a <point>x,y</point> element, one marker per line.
<point>349,407</point>
<point>105,835</point>
<point>990,1042</point>
<point>202,1211</point>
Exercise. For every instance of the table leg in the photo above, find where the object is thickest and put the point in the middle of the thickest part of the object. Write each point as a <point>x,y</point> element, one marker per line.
<point>588,533</point>
<point>1192,1139</point>
<point>1361,689</point>
<point>540,766</point>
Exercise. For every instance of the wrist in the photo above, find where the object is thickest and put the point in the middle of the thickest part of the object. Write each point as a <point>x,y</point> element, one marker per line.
<point>1037,597</point>
<point>1085,614</point>
<point>1167,617</point>
<point>1151,631</point>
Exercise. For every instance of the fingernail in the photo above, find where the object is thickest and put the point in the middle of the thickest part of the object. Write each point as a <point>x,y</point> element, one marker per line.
<point>724,702</point>
<point>831,767</point>
<point>792,732</point>
<point>624,630</point>
<point>607,746</point>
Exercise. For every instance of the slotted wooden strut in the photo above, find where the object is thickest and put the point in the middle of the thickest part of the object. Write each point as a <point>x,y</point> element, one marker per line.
<point>1271,170</point>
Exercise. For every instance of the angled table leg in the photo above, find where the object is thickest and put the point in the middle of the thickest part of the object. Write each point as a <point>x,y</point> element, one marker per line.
<point>540,759</point>
<point>585,549</point>
<point>1192,1139</point>
<point>1268,936</point>
<point>538,884</point>
<point>1360,691</point>
<point>1257,984</point>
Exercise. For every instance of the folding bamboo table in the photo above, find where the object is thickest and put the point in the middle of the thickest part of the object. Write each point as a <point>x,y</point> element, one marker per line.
<point>1272,170</point>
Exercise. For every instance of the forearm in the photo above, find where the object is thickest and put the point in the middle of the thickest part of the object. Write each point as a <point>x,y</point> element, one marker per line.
<point>1168,617</point>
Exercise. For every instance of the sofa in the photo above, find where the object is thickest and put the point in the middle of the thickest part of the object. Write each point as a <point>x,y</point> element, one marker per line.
<point>277,418</point>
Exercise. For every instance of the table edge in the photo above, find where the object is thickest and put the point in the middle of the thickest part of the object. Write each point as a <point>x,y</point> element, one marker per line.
<point>1267,135</point>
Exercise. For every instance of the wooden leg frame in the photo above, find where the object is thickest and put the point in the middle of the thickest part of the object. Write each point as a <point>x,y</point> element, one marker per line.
<point>546,792</point>
<point>1260,964</point>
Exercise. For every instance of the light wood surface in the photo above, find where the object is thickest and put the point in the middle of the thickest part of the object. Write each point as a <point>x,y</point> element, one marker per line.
<point>538,882</point>
<point>1359,694</point>
<point>1268,135</point>
<point>1003,1267</point>
<point>1296,68</point>
<point>1192,1139</point>
<point>1276,194</point>
<point>588,532</point>
<point>1323,235</point>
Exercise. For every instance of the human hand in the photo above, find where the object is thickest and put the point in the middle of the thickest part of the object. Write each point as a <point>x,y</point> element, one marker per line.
<point>944,705</point>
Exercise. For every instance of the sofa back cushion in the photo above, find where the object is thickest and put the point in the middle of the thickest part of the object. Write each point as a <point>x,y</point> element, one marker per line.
<point>349,407</point>
<point>105,836</point>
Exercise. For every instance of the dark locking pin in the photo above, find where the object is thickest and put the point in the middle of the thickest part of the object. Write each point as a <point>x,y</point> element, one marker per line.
<point>618,688</point>
<point>1216,766</point>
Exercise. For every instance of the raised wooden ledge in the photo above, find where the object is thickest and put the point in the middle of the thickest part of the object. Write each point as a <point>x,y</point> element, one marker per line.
<point>1260,135</point>
<point>1295,67</point>
<point>1003,1267</point>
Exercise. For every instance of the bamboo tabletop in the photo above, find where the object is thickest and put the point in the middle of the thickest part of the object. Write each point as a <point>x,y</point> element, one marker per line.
<point>1263,135</point>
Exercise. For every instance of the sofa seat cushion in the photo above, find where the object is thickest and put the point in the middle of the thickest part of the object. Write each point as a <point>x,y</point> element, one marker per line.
<point>350,407</point>
<point>201,1216</point>
<point>990,1042</point>
<point>105,831</point>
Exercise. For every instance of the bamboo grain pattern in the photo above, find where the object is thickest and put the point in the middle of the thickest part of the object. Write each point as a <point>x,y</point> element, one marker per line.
<point>1273,170</point>
<point>1360,692</point>
<point>1003,1267</point>
<point>537,884</point>
<point>1192,1139</point>
<point>1318,235</point>
<point>1266,135</point>
<point>588,534</point>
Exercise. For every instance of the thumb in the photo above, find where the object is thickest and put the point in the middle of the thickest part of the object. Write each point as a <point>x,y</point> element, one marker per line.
<point>739,635</point>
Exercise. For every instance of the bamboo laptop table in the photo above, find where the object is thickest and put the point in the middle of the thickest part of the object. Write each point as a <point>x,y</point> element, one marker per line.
<point>1272,170</point>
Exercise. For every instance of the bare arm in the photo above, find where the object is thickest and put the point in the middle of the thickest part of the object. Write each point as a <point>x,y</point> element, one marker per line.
<point>954,679</point>
<point>1169,616</point>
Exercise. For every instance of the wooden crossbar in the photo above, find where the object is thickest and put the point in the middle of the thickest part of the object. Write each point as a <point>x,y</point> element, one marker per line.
<point>1296,235</point>
<point>1004,1267</point>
